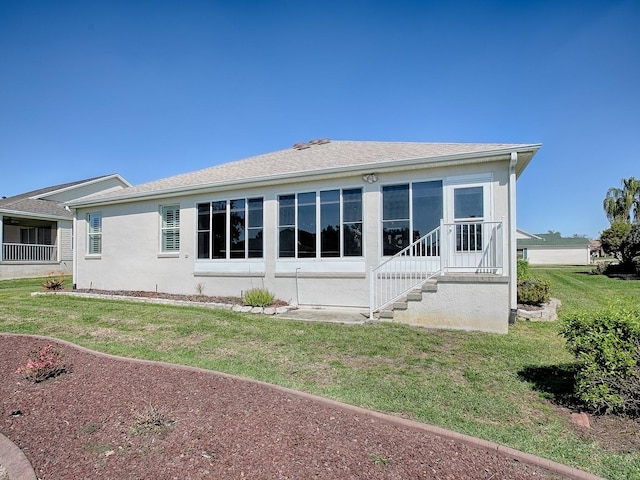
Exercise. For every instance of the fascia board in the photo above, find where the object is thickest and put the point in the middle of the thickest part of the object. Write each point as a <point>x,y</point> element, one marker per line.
<point>83,184</point>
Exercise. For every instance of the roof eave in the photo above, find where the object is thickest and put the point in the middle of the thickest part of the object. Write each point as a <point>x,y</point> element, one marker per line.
<point>378,167</point>
<point>40,216</point>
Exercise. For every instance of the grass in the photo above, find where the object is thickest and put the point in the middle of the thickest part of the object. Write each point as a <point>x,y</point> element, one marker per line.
<point>491,386</point>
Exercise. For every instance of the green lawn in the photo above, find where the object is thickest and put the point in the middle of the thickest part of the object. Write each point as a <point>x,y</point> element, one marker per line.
<point>486,385</point>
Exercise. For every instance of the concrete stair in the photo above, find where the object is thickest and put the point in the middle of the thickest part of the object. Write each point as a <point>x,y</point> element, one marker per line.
<point>417,295</point>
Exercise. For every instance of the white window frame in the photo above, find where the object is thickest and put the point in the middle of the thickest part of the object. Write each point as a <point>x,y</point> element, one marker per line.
<point>170,228</point>
<point>91,233</point>
<point>318,234</point>
<point>247,229</point>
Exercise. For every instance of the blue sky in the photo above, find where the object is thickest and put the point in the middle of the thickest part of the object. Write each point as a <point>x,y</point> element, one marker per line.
<point>153,89</point>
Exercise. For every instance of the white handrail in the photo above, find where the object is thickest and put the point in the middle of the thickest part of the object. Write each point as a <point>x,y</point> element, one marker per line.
<point>473,247</point>
<point>406,270</point>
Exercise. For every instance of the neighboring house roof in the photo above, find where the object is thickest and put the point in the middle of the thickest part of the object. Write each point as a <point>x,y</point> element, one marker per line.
<point>521,234</point>
<point>320,157</point>
<point>553,240</point>
<point>37,203</point>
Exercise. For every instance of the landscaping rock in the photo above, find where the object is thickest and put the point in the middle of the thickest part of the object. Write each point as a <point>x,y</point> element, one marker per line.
<point>545,313</point>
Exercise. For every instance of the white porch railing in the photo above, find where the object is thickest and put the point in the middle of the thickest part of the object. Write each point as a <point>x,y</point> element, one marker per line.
<point>471,247</point>
<point>21,252</point>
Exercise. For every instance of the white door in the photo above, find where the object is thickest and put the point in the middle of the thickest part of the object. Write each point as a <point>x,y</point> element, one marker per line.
<point>468,207</point>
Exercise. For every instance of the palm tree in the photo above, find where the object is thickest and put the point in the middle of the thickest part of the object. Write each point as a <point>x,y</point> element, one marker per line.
<point>623,204</point>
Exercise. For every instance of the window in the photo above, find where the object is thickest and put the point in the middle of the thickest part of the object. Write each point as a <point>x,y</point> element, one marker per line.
<point>320,224</point>
<point>94,233</point>
<point>468,206</point>
<point>170,229</point>
<point>36,235</point>
<point>230,229</point>
<point>410,211</point>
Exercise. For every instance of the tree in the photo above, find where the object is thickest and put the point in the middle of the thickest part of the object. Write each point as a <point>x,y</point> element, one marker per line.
<point>623,204</point>
<point>613,238</point>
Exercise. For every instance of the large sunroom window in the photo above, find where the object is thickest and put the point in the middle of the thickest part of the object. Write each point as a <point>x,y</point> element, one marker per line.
<point>410,211</point>
<point>230,229</point>
<point>320,224</point>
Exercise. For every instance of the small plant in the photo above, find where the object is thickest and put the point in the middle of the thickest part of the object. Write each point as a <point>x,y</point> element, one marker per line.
<point>54,281</point>
<point>43,364</point>
<point>258,297</point>
<point>152,420</point>
<point>379,459</point>
<point>199,288</point>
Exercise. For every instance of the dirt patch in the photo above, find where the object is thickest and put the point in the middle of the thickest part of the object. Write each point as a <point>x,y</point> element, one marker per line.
<point>85,424</point>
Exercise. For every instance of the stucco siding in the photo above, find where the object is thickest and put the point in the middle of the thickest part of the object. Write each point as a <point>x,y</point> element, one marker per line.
<point>462,302</point>
<point>131,257</point>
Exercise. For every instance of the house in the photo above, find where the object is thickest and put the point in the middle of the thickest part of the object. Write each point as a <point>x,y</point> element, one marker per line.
<point>36,228</point>
<point>553,249</point>
<point>420,233</point>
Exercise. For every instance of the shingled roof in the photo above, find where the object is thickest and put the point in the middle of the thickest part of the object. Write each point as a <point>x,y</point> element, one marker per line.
<point>36,203</point>
<point>318,157</point>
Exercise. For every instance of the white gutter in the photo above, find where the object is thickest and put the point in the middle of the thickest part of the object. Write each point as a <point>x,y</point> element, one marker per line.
<point>393,165</point>
<point>513,251</point>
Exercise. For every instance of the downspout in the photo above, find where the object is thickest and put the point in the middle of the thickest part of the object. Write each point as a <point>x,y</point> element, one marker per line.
<point>74,247</point>
<point>512,254</point>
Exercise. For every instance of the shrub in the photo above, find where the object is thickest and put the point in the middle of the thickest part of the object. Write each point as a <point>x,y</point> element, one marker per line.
<point>636,264</point>
<point>54,282</point>
<point>43,364</point>
<point>533,291</point>
<point>601,268</point>
<point>523,270</point>
<point>606,344</point>
<point>258,297</point>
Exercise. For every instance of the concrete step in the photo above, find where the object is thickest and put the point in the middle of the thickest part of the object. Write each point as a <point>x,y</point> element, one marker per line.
<point>401,305</point>
<point>415,296</point>
<point>387,314</point>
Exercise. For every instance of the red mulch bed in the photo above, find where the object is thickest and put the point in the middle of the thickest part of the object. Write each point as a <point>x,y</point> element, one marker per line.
<point>89,424</point>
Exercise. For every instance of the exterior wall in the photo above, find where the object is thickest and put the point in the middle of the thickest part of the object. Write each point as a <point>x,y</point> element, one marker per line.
<point>131,258</point>
<point>558,256</point>
<point>10,271</point>
<point>462,302</point>
<point>65,241</point>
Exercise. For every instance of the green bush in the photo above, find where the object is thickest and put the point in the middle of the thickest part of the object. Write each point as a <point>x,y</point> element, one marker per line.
<point>606,344</point>
<point>636,264</point>
<point>533,291</point>
<point>258,297</point>
<point>523,270</point>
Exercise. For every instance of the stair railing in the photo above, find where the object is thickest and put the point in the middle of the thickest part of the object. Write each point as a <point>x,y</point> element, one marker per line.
<point>406,270</point>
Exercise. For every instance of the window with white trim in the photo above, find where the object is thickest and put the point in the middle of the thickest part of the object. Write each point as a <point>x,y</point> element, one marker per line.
<point>320,224</point>
<point>230,229</point>
<point>170,228</point>
<point>410,211</point>
<point>94,233</point>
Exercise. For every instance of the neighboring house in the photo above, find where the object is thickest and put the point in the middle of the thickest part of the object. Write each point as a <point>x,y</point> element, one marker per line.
<point>553,249</point>
<point>325,223</point>
<point>36,228</point>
